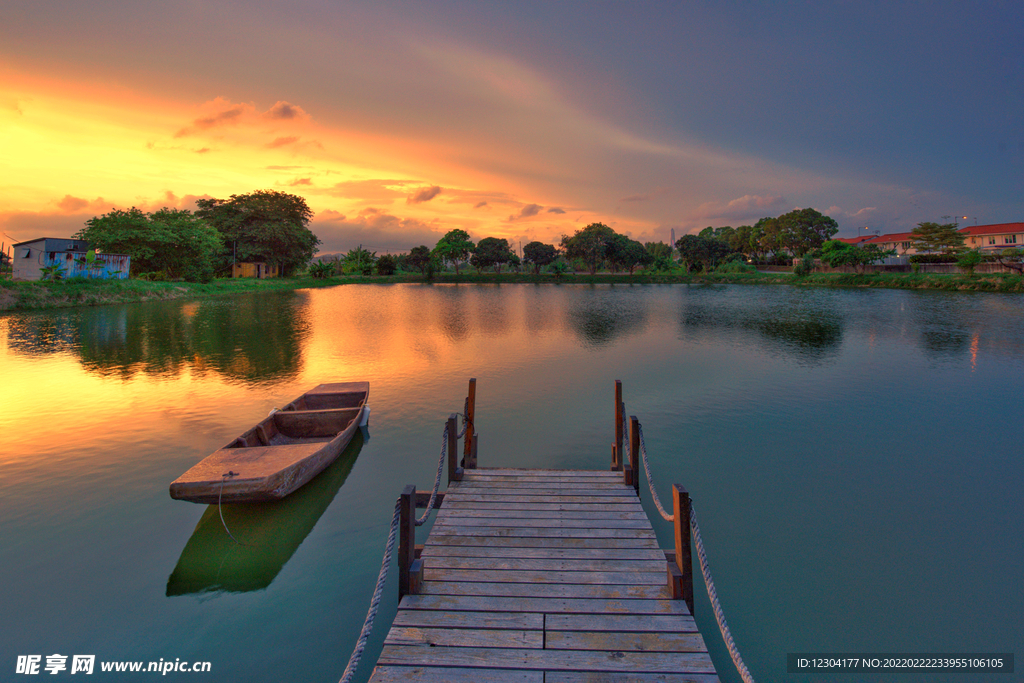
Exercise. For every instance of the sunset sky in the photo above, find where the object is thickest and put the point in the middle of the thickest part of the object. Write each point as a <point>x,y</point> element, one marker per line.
<point>399,121</point>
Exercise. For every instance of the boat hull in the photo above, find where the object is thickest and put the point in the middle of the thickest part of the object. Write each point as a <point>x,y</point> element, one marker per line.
<point>281,453</point>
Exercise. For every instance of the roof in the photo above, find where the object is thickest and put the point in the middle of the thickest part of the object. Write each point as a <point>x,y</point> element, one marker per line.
<point>994,229</point>
<point>42,239</point>
<point>853,240</point>
<point>892,237</point>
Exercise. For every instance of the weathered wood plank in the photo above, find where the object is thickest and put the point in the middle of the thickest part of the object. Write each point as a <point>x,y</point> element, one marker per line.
<point>607,677</point>
<point>478,620</point>
<point>529,532</point>
<point>438,674</point>
<point>550,660</point>
<point>497,510</point>
<point>513,498</point>
<point>540,542</point>
<point>526,472</point>
<point>627,642</point>
<point>545,590</point>
<point>536,489</point>
<point>557,553</point>
<point>543,605</point>
<point>497,575</point>
<point>467,637</point>
<point>621,623</point>
<point>519,522</point>
<point>456,504</point>
<point>600,564</point>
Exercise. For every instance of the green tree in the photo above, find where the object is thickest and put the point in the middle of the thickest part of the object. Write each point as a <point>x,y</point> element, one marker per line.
<point>588,244</point>
<point>798,231</point>
<point>419,257</point>
<point>835,254</point>
<point>1012,258</point>
<point>360,261</point>
<point>491,252</point>
<point>172,241</point>
<point>386,265</point>
<point>706,252</point>
<point>944,238</point>
<point>627,254</point>
<point>265,225</point>
<point>539,255</point>
<point>454,247</point>
<point>658,250</point>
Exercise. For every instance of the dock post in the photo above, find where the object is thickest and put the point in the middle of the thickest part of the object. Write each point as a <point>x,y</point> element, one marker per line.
<point>634,452</point>
<point>454,471</point>
<point>617,445</point>
<point>472,453</point>
<point>680,576</point>
<point>409,568</point>
<point>469,446</point>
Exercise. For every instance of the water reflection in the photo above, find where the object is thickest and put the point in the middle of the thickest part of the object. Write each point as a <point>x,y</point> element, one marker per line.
<point>251,338</point>
<point>268,535</point>
<point>599,317</point>
<point>807,328</point>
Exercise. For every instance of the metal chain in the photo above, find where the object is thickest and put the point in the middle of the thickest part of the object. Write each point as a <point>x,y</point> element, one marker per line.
<point>382,577</point>
<point>713,596</point>
<point>420,521</point>
<point>650,482</point>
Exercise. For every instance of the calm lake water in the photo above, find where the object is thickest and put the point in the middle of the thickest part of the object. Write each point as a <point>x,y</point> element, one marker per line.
<point>854,457</point>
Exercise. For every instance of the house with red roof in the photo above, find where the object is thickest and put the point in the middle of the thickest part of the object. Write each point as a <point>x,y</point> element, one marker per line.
<point>902,242</point>
<point>993,238</point>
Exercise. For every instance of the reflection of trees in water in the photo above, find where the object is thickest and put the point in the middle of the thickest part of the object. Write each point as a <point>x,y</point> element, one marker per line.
<point>804,328</point>
<point>598,317</point>
<point>246,337</point>
<point>492,310</point>
<point>538,313</point>
<point>451,311</point>
<point>945,322</point>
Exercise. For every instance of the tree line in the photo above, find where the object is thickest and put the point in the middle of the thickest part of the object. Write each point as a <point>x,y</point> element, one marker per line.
<point>263,226</point>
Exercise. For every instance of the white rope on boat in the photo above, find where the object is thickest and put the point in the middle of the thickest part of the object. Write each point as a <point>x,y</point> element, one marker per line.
<point>713,596</point>
<point>371,614</point>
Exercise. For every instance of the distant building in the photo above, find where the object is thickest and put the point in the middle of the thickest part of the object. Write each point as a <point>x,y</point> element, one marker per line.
<point>902,242</point>
<point>70,256</point>
<point>995,237</point>
<point>256,269</point>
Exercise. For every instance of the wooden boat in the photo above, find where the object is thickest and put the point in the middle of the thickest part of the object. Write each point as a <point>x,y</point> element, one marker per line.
<point>281,453</point>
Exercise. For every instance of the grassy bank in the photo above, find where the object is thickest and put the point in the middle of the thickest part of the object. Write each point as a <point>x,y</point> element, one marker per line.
<point>21,296</point>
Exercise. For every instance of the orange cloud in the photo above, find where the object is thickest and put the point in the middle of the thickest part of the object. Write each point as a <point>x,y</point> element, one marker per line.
<point>285,111</point>
<point>283,141</point>
<point>424,195</point>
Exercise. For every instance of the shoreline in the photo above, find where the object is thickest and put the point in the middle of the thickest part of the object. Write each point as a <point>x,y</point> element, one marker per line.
<point>36,296</point>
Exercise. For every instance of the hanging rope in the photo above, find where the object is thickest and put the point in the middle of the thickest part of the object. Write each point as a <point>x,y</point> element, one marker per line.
<point>220,510</point>
<point>650,482</point>
<point>702,556</point>
<point>713,596</point>
<point>371,614</point>
<point>420,521</point>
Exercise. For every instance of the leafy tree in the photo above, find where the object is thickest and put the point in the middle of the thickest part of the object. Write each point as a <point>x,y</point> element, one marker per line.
<point>491,251</point>
<point>1012,258</point>
<point>705,251</point>
<point>514,262</point>
<point>264,225</point>
<point>798,231</point>
<point>835,253</point>
<point>588,244</point>
<point>539,255</point>
<point>969,260</point>
<point>724,234</point>
<point>171,241</point>
<point>454,247</point>
<point>360,261</point>
<point>658,250</point>
<point>935,237</point>
<point>386,265</point>
<point>627,254</point>
<point>321,269</point>
<point>419,257</point>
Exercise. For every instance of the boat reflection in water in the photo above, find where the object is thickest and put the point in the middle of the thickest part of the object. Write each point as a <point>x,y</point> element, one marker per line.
<point>268,534</point>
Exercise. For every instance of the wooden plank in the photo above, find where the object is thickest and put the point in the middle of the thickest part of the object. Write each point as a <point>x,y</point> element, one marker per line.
<point>546,564</point>
<point>466,637</point>
<point>627,642</point>
<point>625,498</point>
<point>538,472</point>
<point>549,660</point>
<point>496,575</point>
<point>456,504</point>
<point>593,592</point>
<point>621,623</point>
<point>478,620</point>
<point>542,542</point>
<point>493,510</point>
<point>546,485</point>
<point>542,605</point>
<point>608,677</point>
<point>528,532</point>
<point>437,674</point>
<point>518,522</point>
<point>559,553</point>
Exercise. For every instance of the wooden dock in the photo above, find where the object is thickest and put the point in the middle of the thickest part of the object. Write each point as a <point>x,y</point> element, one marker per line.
<point>543,575</point>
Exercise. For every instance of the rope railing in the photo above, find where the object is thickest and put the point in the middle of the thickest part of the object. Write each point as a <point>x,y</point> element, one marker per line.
<point>371,614</point>
<point>420,521</point>
<point>702,556</point>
